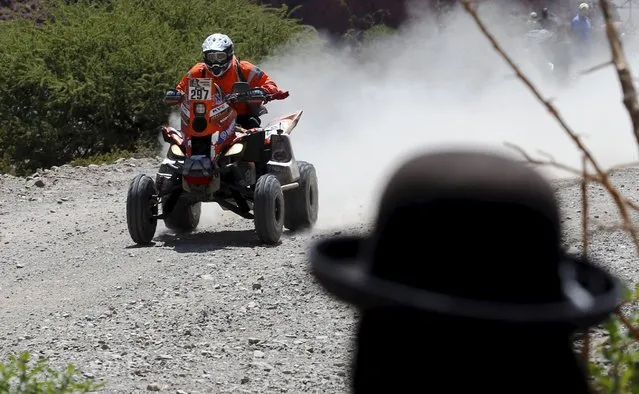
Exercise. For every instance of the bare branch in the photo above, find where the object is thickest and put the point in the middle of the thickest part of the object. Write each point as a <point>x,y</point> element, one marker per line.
<point>596,68</point>
<point>631,328</point>
<point>550,163</point>
<point>584,207</point>
<point>620,201</point>
<point>633,205</point>
<point>585,350</point>
<point>623,69</point>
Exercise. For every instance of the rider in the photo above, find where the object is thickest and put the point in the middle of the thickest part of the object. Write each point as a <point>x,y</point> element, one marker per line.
<point>221,64</point>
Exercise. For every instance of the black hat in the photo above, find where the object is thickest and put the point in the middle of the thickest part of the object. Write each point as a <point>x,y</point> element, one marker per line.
<point>468,234</point>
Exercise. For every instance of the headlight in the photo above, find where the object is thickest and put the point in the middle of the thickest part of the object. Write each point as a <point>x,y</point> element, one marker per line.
<point>200,109</point>
<point>235,149</point>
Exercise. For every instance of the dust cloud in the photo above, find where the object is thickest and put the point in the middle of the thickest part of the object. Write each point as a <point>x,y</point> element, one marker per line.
<point>423,89</point>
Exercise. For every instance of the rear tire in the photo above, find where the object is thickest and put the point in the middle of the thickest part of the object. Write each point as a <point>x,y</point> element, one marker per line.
<point>141,211</point>
<point>269,209</point>
<point>184,217</point>
<point>302,203</point>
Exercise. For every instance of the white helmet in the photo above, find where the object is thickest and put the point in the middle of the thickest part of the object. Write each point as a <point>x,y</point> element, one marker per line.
<point>218,53</point>
<point>584,8</point>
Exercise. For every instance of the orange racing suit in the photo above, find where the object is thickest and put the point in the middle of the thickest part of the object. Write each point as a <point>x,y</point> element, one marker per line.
<point>240,71</point>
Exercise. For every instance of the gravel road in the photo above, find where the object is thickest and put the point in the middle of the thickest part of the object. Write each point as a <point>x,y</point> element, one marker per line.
<point>210,312</point>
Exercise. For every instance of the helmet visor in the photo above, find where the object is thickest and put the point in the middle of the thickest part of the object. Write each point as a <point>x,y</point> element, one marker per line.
<point>216,57</point>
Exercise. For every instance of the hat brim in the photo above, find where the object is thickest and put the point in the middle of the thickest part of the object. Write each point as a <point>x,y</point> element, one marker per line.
<point>337,265</point>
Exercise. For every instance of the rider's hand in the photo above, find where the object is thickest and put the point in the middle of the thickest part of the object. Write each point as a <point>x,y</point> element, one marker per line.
<point>280,95</point>
<point>257,92</point>
<point>173,96</point>
<point>231,98</point>
<point>165,134</point>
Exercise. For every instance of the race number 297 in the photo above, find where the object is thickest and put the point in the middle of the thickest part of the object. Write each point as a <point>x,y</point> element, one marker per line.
<point>199,89</point>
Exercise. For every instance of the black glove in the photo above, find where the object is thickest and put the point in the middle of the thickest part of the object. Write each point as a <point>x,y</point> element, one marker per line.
<point>173,95</point>
<point>257,93</point>
<point>231,98</point>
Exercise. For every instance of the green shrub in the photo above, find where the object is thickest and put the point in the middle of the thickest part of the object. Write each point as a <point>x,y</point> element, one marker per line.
<point>138,152</point>
<point>614,353</point>
<point>91,80</point>
<point>22,376</point>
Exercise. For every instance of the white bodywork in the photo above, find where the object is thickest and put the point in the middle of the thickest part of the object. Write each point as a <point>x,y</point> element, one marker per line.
<point>286,123</point>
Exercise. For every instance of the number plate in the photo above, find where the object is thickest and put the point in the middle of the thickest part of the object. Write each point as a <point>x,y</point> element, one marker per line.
<point>200,89</point>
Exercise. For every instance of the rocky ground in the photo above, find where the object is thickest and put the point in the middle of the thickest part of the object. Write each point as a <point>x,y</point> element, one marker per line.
<point>211,312</point>
<point>31,9</point>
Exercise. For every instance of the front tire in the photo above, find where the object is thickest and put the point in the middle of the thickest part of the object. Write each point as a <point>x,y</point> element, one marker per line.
<point>269,209</point>
<point>302,203</point>
<point>141,209</point>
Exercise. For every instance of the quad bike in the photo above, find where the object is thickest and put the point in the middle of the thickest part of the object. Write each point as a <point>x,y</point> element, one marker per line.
<point>550,54</point>
<point>252,173</point>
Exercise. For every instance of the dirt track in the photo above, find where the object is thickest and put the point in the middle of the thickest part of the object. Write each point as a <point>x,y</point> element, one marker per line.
<point>211,312</point>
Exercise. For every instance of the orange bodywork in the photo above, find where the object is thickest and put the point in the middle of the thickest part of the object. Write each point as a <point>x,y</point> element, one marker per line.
<point>204,112</point>
<point>255,77</point>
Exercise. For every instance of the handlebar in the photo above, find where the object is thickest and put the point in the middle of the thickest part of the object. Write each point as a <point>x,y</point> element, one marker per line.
<point>255,95</point>
<point>174,96</point>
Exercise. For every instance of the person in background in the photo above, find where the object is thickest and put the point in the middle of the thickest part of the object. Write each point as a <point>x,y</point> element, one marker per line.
<point>533,20</point>
<point>581,25</point>
<point>548,20</point>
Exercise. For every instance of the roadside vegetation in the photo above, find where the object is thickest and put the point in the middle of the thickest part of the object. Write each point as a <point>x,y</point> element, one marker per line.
<point>23,375</point>
<point>89,80</point>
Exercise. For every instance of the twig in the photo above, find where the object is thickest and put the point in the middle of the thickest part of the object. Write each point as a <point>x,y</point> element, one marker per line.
<point>585,350</point>
<point>584,207</point>
<point>631,328</point>
<point>620,201</point>
<point>632,204</point>
<point>596,68</point>
<point>591,178</point>
<point>549,162</point>
<point>623,70</point>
